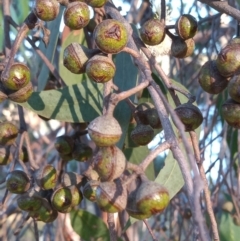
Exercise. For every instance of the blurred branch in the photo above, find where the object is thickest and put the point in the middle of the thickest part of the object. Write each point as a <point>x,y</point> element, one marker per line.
<point>194,140</point>
<point>223,7</point>
<point>163,11</point>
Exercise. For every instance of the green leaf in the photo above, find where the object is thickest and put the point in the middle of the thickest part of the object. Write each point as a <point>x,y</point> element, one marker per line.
<point>136,156</point>
<point>183,99</point>
<point>228,231</point>
<point>125,78</point>
<point>88,226</point>
<point>145,97</point>
<point>76,103</point>
<point>1,32</point>
<point>170,176</point>
<point>68,77</point>
<point>159,163</point>
<point>49,52</point>
<point>22,10</point>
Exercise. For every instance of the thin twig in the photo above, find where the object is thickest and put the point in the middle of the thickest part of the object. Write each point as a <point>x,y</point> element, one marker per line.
<point>30,154</point>
<point>21,224</point>
<point>36,234</point>
<point>150,230</point>
<point>194,140</point>
<point>111,226</point>
<point>163,11</point>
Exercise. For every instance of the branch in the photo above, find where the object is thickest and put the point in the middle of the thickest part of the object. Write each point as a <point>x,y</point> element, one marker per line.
<point>223,7</point>
<point>163,11</point>
<point>156,93</point>
<point>194,140</point>
<point>111,226</point>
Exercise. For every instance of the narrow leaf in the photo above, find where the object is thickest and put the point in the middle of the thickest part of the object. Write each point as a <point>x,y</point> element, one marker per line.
<point>125,78</point>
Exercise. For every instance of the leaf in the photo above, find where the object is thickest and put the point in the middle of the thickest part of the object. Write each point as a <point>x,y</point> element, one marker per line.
<point>68,77</point>
<point>22,11</point>
<point>170,176</point>
<point>1,32</point>
<point>136,156</point>
<point>146,95</point>
<point>159,163</point>
<point>228,231</point>
<point>88,226</point>
<point>125,78</point>
<point>76,103</point>
<point>49,52</point>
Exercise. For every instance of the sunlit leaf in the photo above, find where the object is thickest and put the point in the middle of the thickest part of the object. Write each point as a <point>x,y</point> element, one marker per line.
<point>49,52</point>
<point>170,176</point>
<point>76,103</point>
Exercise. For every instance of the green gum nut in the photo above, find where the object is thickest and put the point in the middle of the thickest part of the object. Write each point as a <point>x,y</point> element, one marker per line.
<point>152,32</point>
<point>76,15</point>
<point>110,36</point>
<point>8,133</point>
<point>100,69</point>
<point>152,198</point>
<point>19,76</point>
<point>186,26</point>
<point>105,136</point>
<point>46,177</point>
<point>17,181</point>
<point>111,197</point>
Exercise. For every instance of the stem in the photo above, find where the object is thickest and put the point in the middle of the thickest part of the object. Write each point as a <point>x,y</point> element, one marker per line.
<point>22,223</point>
<point>223,7</point>
<point>115,98</point>
<point>4,198</point>
<point>150,230</point>
<point>35,229</point>
<point>138,170</point>
<point>163,11</point>
<point>194,140</point>
<point>111,225</point>
<point>30,154</point>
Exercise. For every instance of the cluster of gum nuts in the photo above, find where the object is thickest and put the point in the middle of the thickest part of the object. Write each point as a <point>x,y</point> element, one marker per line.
<point>217,75</point>
<point>45,193</point>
